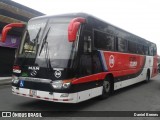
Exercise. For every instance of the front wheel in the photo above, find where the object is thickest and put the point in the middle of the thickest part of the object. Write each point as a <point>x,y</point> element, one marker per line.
<point>106,88</point>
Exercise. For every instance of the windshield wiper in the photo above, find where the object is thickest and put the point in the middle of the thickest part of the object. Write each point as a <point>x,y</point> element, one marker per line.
<point>37,36</point>
<point>47,51</point>
<point>44,41</point>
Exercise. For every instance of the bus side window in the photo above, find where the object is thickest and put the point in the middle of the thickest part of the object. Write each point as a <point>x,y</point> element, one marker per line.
<point>155,50</point>
<point>103,41</point>
<point>145,49</point>
<point>121,45</point>
<point>151,51</point>
<point>99,40</point>
<point>109,42</point>
<point>140,49</point>
<point>132,47</point>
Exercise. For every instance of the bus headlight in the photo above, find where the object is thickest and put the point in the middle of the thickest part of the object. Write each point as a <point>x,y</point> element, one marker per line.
<point>66,85</point>
<point>60,84</point>
<point>57,84</point>
<point>15,79</point>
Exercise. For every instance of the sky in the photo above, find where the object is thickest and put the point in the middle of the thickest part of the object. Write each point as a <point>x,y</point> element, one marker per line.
<point>140,17</point>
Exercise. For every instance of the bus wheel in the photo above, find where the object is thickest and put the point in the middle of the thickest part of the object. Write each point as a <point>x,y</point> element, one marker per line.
<point>147,77</point>
<point>106,88</point>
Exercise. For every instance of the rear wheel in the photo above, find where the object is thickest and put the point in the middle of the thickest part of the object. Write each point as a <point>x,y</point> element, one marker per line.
<point>106,88</point>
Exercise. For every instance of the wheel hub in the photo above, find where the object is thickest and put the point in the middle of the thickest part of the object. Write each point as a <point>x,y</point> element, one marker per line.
<point>106,86</point>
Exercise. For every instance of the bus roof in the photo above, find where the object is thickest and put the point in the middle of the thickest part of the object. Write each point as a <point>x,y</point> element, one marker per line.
<point>91,18</point>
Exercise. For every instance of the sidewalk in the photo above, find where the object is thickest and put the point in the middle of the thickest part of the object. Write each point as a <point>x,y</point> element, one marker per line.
<point>5,80</point>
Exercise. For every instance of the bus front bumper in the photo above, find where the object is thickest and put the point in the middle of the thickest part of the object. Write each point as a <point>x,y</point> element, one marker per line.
<point>44,95</point>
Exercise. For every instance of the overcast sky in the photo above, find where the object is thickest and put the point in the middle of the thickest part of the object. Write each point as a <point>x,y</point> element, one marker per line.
<point>140,17</point>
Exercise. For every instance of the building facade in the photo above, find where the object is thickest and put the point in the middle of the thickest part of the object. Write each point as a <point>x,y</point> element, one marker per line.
<point>11,12</point>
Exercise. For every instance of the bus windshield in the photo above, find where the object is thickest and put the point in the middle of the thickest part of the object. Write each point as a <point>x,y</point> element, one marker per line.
<point>56,49</point>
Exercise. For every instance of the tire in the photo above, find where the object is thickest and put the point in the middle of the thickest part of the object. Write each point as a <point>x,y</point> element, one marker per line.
<point>106,88</point>
<point>147,77</point>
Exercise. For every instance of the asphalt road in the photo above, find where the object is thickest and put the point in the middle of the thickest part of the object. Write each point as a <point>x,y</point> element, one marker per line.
<point>140,97</point>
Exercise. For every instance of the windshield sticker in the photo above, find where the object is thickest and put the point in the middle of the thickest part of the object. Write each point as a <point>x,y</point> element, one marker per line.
<point>29,48</point>
<point>21,83</point>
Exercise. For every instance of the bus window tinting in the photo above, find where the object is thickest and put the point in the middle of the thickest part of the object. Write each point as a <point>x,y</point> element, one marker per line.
<point>140,49</point>
<point>132,47</point>
<point>121,45</point>
<point>155,50</point>
<point>145,48</point>
<point>151,51</point>
<point>103,41</point>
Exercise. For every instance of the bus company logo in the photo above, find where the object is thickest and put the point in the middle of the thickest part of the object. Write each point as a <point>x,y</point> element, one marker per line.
<point>57,73</point>
<point>33,68</point>
<point>133,62</point>
<point>111,61</point>
<point>33,73</point>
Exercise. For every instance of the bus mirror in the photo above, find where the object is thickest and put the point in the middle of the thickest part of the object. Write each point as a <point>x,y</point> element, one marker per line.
<point>73,28</point>
<point>9,27</point>
<point>4,33</point>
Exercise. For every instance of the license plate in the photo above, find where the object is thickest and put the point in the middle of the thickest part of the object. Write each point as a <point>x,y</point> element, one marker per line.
<point>33,92</point>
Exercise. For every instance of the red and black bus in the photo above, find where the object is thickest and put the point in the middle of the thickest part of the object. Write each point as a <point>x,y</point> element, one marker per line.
<point>74,57</point>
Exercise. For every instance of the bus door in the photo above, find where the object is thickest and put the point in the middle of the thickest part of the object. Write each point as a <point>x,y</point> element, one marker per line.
<point>85,54</point>
<point>90,62</point>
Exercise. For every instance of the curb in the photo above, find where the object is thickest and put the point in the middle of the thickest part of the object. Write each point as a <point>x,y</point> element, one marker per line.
<point>5,81</point>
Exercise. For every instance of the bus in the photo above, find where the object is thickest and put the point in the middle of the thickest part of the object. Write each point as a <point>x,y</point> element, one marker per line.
<point>71,58</point>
